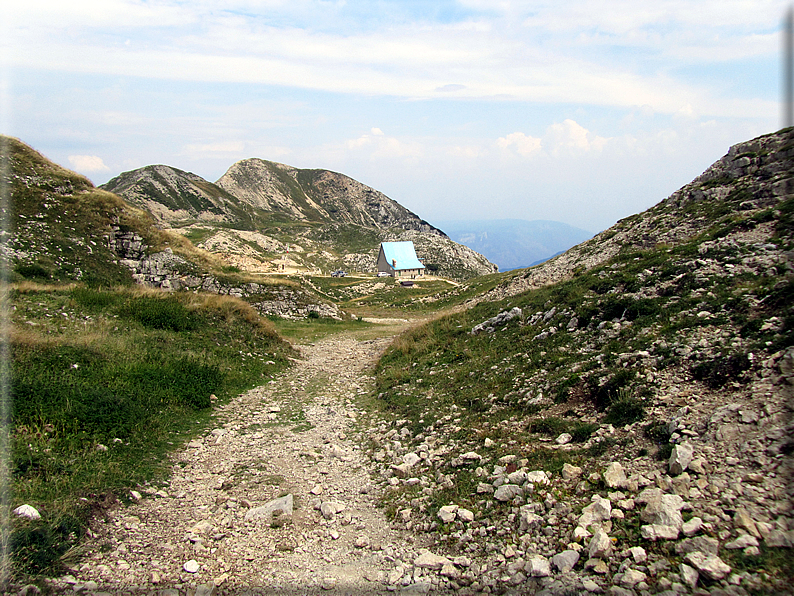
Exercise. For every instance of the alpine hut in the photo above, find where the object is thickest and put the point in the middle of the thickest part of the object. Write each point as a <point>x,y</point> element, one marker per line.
<point>399,260</point>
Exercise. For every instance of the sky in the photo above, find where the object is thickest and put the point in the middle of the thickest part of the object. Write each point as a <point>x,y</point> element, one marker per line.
<point>580,111</point>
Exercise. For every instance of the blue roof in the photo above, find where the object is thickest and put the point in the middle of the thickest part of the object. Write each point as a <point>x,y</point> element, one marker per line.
<point>402,253</point>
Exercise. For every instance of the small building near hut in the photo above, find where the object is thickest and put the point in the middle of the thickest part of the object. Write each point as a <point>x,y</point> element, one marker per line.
<point>399,260</point>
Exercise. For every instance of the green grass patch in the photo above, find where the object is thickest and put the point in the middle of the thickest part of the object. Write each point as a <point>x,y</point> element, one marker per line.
<point>104,384</point>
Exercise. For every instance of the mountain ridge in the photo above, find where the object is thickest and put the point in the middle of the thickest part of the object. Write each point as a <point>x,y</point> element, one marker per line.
<point>309,220</point>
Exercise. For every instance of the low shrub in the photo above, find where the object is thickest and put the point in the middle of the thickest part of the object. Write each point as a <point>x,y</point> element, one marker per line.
<point>625,410</point>
<point>718,371</point>
<point>160,313</point>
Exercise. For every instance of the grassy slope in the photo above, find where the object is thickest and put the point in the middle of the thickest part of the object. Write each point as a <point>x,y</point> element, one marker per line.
<point>91,370</point>
<point>120,367</point>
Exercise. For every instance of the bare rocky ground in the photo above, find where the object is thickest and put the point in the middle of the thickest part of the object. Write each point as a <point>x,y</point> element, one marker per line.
<point>206,531</point>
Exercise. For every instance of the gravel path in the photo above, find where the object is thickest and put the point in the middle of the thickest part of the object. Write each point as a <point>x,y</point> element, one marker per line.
<point>292,436</point>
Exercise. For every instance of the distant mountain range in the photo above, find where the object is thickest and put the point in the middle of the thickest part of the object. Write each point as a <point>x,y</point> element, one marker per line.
<point>514,243</point>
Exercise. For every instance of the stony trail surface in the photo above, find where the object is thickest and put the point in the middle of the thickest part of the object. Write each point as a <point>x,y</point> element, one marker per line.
<point>293,436</point>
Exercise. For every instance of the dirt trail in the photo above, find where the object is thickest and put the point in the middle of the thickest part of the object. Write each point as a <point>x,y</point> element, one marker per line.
<point>291,436</point>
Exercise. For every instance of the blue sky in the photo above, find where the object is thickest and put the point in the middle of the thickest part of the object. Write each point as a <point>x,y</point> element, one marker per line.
<point>581,111</point>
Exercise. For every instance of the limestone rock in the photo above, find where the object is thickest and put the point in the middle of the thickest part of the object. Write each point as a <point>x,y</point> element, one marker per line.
<point>447,513</point>
<point>27,511</point>
<point>465,515</point>
<point>710,566</point>
<point>615,475</point>
<point>282,506</point>
<point>538,566</point>
<point>507,492</point>
<point>742,541</point>
<point>570,472</point>
<point>600,510</point>
<point>688,574</point>
<point>662,510</point>
<point>631,577</point>
<point>692,527</point>
<point>680,458</point>
<point>600,545</point>
<point>428,560</point>
<point>330,508</point>
<point>565,561</point>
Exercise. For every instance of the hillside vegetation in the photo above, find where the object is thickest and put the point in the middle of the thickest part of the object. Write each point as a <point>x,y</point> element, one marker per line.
<point>104,384</point>
<point>672,328</point>
<point>106,377</point>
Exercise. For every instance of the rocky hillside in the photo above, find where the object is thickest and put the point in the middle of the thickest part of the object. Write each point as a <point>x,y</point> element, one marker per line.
<point>62,229</point>
<point>173,196</point>
<point>316,195</point>
<point>738,191</point>
<point>619,420</point>
<point>262,216</point>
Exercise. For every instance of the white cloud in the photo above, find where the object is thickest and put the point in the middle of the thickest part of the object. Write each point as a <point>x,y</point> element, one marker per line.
<point>523,144</point>
<point>377,145</point>
<point>555,51</point>
<point>88,163</point>
<point>561,139</point>
<point>569,136</point>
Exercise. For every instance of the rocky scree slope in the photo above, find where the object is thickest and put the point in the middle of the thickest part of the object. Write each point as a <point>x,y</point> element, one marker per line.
<point>751,178</point>
<point>262,216</point>
<point>626,430</point>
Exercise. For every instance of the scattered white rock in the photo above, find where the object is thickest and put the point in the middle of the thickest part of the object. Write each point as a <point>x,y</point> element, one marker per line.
<point>680,458</point>
<point>282,506</point>
<point>615,475</point>
<point>428,560</point>
<point>27,511</point>
<point>570,472</point>
<point>565,561</point>
<point>710,566</point>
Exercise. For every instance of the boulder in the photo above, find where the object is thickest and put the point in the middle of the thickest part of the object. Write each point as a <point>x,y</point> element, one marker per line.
<point>662,509</point>
<point>465,515</point>
<point>615,475</point>
<point>331,508</point>
<point>710,566</point>
<point>597,512</point>
<point>428,560</point>
<point>570,472</point>
<point>538,566</point>
<point>565,560</point>
<point>28,512</point>
<point>742,541</point>
<point>447,513</point>
<point>600,545</point>
<point>680,458</point>
<point>692,527</point>
<point>507,492</point>
<point>528,520</point>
